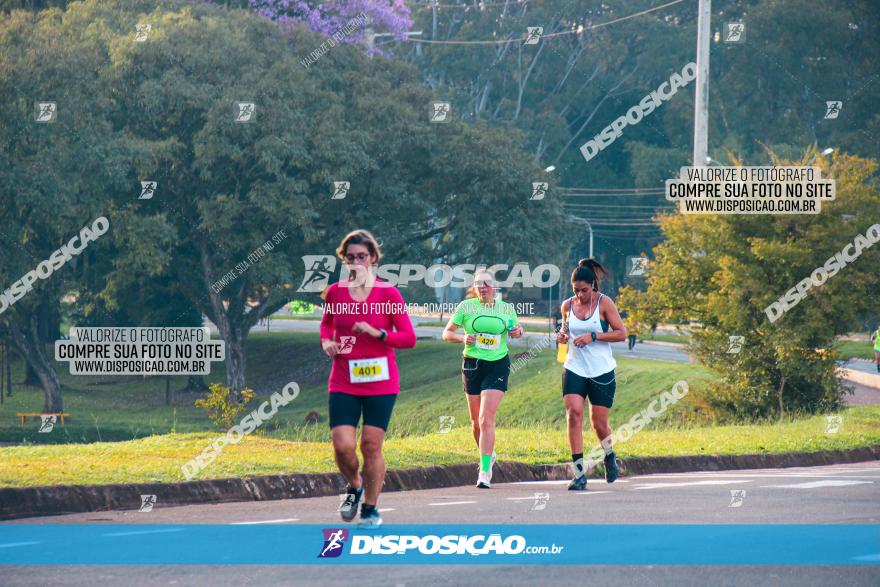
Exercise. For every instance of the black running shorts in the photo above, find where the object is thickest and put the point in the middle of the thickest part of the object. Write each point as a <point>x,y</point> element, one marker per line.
<point>346,409</point>
<point>599,389</point>
<point>479,374</point>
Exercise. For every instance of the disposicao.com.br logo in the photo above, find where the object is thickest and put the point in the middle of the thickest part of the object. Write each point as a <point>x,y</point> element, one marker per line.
<point>319,270</point>
<point>431,544</point>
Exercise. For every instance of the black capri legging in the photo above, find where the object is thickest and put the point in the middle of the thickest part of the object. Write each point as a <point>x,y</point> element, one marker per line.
<point>346,409</point>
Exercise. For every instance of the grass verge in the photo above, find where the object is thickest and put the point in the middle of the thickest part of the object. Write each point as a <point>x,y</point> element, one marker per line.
<point>159,458</point>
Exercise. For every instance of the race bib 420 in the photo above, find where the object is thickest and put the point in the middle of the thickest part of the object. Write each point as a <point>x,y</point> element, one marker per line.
<point>488,341</point>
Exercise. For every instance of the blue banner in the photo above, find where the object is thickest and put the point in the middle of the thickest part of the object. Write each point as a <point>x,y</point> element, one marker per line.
<point>298,544</point>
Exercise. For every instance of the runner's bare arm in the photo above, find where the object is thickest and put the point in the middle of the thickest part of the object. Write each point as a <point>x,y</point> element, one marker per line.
<point>562,335</point>
<point>618,330</point>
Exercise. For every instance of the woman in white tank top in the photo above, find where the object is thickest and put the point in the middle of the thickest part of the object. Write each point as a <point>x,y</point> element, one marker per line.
<point>590,322</point>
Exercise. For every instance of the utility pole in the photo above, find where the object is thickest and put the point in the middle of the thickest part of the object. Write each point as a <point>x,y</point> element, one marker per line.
<point>701,99</point>
<point>590,228</point>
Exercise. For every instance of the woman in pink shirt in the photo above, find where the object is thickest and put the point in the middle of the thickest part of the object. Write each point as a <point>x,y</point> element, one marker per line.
<point>364,321</point>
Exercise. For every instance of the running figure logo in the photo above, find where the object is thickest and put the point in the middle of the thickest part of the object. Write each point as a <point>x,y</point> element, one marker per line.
<point>147,503</point>
<point>737,496</point>
<point>46,112</point>
<point>47,423</point>
<point>440,111</point>
<point>446,424</point>
<point>534,35</point>
<point>141,31</point>
<point>832,109</point>
<point>319,268</point>
<point>244,111</point>
<point>340,190</point>
<point>148,188</point>
<point>735,344</point>
<point>334,540</point>
<point>639,265</point>
<point>541,500</point>
<point>734,32</point>
<point>346,344</point>
<point>833,424</point>
<point>539,190</point>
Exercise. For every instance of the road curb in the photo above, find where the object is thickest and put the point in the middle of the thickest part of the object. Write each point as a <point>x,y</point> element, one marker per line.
<point>67,499</point>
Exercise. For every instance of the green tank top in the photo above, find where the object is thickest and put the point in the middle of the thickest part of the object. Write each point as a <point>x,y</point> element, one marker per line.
<point>490,324</point>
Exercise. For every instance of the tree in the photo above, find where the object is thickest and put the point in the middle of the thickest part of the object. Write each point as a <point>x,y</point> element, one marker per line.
<point>723,271</point>
<point>49,172</point>
<point>226,189</point>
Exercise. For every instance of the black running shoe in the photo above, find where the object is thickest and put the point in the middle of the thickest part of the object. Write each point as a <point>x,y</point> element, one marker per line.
<point>611,470</point>
<point>578,483</point>
<point>349,507</point>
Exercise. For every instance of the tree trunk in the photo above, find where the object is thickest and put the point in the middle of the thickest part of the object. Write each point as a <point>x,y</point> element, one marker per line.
<point>195,383</point>
<point>26,338</point>
<point>779,397</point>
<point>231,327</point>
<point>30,376</point>
<point>235,365</point>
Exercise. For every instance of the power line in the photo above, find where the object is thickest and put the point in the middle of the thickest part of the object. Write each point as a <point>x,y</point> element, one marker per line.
<point>466,6</point>
<point>631,190</point>
<point>614,206</point>
<point>578,31</point>
<point>609,195</point>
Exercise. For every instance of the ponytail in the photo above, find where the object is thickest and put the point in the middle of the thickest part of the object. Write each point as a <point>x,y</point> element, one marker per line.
<point>589,271</point>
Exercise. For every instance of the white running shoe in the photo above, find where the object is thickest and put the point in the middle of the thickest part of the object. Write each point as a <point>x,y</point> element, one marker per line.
<point>492,464</point>
<point>483,480</point>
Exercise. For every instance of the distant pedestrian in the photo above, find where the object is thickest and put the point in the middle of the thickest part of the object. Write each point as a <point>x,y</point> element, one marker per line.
<point>875,338</point>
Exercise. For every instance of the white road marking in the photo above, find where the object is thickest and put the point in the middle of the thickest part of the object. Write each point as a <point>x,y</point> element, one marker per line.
<point>563,482</point>
<point>266,522</point>
<point>868,557</point>
<point>452,503</point>
<point>144,532</point>
<point>520,498</point>
<point>591,492</point>
<point>692,483</point>
<point>753,475</point>
<point>12,544</point>
<point>383,510</point>
<point>815,484</point>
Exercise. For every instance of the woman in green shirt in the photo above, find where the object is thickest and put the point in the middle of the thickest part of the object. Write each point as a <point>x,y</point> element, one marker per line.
<point>487,323</point>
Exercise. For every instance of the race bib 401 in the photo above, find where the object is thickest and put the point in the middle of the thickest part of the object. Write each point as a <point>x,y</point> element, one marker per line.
<point>368,370</point>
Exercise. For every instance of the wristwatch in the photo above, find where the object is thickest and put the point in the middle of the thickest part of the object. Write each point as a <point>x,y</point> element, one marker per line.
<point>593,336</point>
<point>384,334</point>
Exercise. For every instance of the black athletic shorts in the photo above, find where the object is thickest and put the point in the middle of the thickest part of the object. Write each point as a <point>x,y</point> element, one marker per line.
<point>479,374</point>
<point>599,389</point>
<point>346,409</point>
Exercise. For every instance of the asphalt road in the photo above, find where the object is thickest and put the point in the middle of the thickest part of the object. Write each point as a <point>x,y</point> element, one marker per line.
<point>644,350</point>
<point>839,494</point>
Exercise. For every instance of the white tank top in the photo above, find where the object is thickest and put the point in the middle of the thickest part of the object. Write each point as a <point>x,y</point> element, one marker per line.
<point>593,359</point>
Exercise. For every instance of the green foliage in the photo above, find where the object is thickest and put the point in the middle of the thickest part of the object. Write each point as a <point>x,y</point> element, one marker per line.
<point>221,405</point>
<point>724,270</point>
